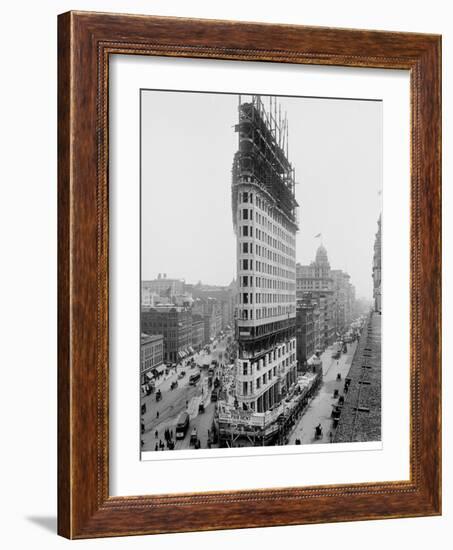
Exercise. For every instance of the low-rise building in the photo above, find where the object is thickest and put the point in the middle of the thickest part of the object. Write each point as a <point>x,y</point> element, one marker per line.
<point>163,286</point>
<point>175,324</point>
<point>151,355</point>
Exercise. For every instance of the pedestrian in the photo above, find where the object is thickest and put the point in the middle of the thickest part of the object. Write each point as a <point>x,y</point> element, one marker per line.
<point>156,448</point>
<point>157,415</point>
<point>156,434</point>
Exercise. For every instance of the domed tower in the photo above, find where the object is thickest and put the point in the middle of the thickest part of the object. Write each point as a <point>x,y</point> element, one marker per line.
<point>321,263</point>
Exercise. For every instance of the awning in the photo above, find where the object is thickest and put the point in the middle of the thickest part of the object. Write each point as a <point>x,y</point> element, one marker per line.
<point>314,359</point>
<point>149,375</point>
<point>180,354</point>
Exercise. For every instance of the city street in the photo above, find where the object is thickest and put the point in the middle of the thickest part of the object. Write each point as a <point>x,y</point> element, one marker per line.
<point>182,398</point>
<point>319,409</point>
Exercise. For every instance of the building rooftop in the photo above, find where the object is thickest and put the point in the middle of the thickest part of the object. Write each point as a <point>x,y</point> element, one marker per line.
<point>165,308</point>
<point>321,255</point>
<point>149,338</point>
<point>360,418</point>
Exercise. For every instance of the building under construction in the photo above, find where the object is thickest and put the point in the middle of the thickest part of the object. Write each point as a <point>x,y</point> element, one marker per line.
<point>265,221</point>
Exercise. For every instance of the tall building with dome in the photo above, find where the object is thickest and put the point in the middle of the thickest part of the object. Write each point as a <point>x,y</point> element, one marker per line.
<point>316,280</point>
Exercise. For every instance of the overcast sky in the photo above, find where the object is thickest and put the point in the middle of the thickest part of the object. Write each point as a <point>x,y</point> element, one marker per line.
<point>188,144</point>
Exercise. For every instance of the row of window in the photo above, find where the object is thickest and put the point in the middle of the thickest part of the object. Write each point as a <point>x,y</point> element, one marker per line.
<point>149,350</point>
<point>158,329</point>
<point>247,387</point>
<point>277,353</point>
<point>267,377</point>
<point>265,298</point>
<point>263,282</point>
<point>247,214</point>
<point>311,284</point>
<point>265,312</point>
<point>153,362</point>
<point>246,230</point>
<point>247,197</point>
<point>263,252</point>
<point>262,267</point>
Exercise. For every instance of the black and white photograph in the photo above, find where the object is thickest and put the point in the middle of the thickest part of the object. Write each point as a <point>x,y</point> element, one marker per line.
<point>261,220</point>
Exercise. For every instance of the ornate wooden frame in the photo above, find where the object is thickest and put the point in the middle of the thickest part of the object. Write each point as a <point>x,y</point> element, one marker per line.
<point>85,41</point>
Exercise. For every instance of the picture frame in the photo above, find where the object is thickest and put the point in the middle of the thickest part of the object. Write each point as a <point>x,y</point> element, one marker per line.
<point>85,43</point>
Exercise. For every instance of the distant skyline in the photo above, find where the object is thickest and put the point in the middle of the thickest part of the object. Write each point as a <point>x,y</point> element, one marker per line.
<point>188,145</point>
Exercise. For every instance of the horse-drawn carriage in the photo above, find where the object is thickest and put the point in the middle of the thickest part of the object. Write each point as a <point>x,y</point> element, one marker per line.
<point>318,432</point>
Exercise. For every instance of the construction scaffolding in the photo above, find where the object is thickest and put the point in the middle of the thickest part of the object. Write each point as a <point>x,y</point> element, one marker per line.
<point>238,428</point>
<point>262,156</point>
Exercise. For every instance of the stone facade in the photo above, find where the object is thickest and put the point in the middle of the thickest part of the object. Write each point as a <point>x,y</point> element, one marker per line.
<point>175,324</point>
<point>316,280</point>
<point>151,354</point>
<point>264,213</point>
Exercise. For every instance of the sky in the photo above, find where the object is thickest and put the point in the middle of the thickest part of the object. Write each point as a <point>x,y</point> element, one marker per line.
<point>188,144</point>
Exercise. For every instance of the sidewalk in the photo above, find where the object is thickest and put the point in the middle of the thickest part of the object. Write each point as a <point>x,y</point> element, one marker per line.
<point>320,408</point>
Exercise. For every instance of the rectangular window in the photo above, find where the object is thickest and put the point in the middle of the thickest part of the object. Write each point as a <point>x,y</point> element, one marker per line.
<point>245,197</point>
<point>244,388</point>
<point>245,248</point>
<point>245,231</point>
<point>245,214</point>
<point>245,369</point>
<point>245,280</point>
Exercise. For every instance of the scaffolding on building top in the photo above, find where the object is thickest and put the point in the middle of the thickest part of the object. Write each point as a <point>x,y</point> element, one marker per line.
<point>262,156</point>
